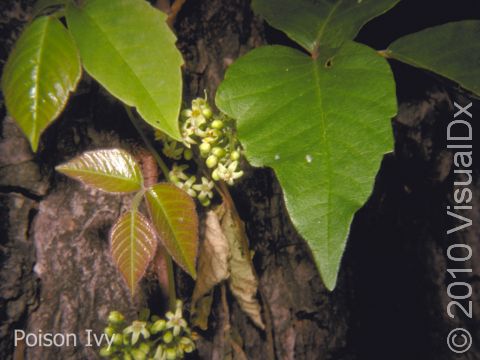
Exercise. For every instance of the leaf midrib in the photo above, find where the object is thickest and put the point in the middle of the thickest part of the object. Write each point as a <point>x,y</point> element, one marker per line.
<point>153,194</point>
<point>165,122</point>
<point>325,141</point>
<point>321,31</point>
<point>36,100</point>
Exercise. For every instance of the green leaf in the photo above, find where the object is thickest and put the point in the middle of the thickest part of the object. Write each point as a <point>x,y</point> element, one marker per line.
<point>112,170</point>
<point>129,49</point>
<point>323,125</point>
<point>175,218</point>
<point>451,50</point>
<point>42,70</point>
<point>315,23</point>
<point>133,244</point>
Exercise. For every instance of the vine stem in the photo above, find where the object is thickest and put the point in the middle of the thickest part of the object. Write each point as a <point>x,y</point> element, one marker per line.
<point>172,293</point>
<point>161,164</point>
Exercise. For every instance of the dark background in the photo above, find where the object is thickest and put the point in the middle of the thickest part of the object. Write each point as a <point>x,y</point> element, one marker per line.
<point>390,302</point>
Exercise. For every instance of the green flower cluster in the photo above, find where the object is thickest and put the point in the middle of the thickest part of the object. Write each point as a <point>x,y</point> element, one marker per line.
<point>217,144</point>
<point>215,138</point>
<point>148,338</point>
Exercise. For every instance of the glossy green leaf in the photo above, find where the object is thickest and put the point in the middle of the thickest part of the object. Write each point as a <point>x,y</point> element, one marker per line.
<point>451,50</point>
<point>175,218</point>
<point>127,47</point>
<point>112,170</point>
<point>315,23</point>
<point>42,70</point>
<point>133,244</point>
<point>323,125</point>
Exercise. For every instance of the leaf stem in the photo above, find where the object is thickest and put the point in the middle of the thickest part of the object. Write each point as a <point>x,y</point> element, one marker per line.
<point>161,164</point>
<point>172,294</point>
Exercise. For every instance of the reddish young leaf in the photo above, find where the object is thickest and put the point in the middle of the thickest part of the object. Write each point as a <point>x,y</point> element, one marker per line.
<point>133,244</point>
<point>175,218</point>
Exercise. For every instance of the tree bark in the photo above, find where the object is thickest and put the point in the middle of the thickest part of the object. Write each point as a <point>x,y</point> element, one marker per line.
<point>391,298</point>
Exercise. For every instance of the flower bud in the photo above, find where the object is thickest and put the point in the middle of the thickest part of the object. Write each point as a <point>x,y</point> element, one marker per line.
<point>205,148</point>
<point>215,175</point>
<point>109,331</point>
<point>138,354</point>
<point>106,351</point>
<point>188,154</point>
<point>167,337</point>
<point>171,354</point>
<point>235,155</point>
<point>218,152</point>
<point>145,348</point>
<point>116,317</point>
<point>211,161</point>
<point>158,326</point>
<point>207,112</point>
<point>217,124</point>
<point>117,339</point>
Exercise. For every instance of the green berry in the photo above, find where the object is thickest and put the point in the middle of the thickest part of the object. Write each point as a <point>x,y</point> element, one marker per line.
<point>116,317</point>
<point>188,154</point>
<point>127,356</point>
<point>167,337</point>
<point>211,161</point>
<point>217,124</point>
<point>235,155</point>
<point>218,152</point>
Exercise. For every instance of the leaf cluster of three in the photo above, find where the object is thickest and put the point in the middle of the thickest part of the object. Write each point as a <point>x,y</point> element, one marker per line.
<point>321,120</point>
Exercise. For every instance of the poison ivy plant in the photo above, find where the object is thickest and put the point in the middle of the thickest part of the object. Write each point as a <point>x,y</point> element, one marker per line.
<point>322,122</point>
<point>40,73</point>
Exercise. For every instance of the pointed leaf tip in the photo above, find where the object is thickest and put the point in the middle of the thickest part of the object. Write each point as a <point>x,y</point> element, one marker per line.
<point>111,170</point>
<point>133,244</point>
<point>175,218</point>
<point>41,71</point>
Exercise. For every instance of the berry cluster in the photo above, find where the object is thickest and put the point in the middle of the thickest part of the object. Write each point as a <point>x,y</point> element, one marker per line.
<point>145,339</point>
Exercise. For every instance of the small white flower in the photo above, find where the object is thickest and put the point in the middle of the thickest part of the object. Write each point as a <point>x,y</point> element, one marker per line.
<point>229,173</point>
<point>204,189</point>
<point>177,173</point>
<point>171,150</point>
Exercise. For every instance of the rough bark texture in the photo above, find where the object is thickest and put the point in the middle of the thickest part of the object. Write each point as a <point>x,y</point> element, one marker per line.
<point>390,302</point>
